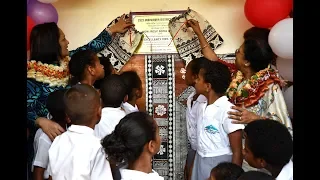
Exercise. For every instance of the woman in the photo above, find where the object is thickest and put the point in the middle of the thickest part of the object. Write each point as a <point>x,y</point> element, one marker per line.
<point>134,142</point>
<point>46,78</point>
<point>255,88</point>
<point>48,70</point>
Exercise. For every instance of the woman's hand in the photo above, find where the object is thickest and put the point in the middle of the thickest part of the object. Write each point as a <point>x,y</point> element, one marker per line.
<point>51,128</point>
<point>194,25</point>
<point>242,116</point>
<point>122,25</point>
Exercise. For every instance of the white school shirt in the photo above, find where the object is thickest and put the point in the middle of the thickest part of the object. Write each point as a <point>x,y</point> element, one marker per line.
<point>110,117</point>
<point>286,172</point>
<point>41,147</point>
<point>213,129</point>
<point>191,117</point>
<point>78,155</point>
<point>128,108</point>
<point>127,174</point>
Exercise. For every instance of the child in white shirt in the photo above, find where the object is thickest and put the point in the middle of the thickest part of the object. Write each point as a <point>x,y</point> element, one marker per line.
<point>113,93</point>
<point>194,102</point>
<point>218,139</point>
<point>269,145</point>
<point>134,90</point>
<point>134,141</point>
<point>77,153</point>
<point>42,142</point>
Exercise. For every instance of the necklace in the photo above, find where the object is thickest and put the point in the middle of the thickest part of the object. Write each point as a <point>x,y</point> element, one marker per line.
<point>248,92</point>
<point>48,73</point>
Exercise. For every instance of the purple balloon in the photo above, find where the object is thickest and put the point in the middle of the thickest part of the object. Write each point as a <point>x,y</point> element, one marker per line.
<point>27,1</point>
<point>42,12</point>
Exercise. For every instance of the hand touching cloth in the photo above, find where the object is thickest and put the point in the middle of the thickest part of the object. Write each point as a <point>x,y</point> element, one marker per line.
<point>123,44</point>
<point>185,38</point>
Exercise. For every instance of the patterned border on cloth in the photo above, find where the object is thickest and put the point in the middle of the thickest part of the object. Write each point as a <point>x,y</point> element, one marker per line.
<point>160,102</point>
<point>120,50</point>
<point>186,41</point>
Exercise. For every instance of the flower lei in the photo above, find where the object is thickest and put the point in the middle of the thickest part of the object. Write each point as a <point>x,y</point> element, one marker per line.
<point>49,73</point>
<point>253,89</point>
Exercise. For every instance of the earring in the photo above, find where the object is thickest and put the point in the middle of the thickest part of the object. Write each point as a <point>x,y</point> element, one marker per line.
<point>246,64</point>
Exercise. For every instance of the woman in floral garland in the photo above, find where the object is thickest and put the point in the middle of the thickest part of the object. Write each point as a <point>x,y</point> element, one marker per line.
<point>255,88</point>
<point>48,70</point>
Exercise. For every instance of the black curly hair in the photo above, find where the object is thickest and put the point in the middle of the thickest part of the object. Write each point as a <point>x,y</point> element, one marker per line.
<point>255,175</point>
<point>78,63</point>
<point>227,171</point>
<point>269,140</point>
<point>132,81</point>
<point>217,74</point>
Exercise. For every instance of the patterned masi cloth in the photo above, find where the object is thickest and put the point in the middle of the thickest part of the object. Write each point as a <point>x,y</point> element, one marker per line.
<point>120,50</point>
<point>184,38</point>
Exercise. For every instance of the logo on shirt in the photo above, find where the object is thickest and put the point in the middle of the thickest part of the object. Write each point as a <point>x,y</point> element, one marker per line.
<point>211,129</point>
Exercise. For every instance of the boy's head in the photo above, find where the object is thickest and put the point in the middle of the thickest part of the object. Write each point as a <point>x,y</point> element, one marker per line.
<point>267,142</point>
<point>192,70</point>
<point>213,76</point>
<point>255,175</point>
<point>83,106</point>
<point>108,70</point>
<point>113,91</point>
<point>226,171</point>
<point>85,63</point>
<point>133,83</point>
<point>56,107</point>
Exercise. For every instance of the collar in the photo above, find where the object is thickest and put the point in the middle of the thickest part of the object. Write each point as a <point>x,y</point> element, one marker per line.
<point>129,174</point>
<point>286,172</point>
<point>80,129</point>
<point>220,101</point>
<point>129,106</point>
<point>201,98</point>
<point>108,109</point>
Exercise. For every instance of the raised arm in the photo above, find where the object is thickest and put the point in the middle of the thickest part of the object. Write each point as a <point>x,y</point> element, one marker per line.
<point>206,49</point>
<point>105,37</point>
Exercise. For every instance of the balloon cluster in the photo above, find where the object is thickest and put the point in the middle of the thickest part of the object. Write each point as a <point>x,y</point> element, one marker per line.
<point>276,15</point>
<point>38,12</point>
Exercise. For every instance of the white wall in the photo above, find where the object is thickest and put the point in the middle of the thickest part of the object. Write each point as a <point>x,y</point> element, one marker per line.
<point>82,20</point>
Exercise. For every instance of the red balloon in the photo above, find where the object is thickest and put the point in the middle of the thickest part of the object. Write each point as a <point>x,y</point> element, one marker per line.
<point>266,13</point>
<point>30,25</point>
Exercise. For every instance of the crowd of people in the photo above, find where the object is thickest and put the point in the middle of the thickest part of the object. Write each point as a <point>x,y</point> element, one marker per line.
<point>84,123</point>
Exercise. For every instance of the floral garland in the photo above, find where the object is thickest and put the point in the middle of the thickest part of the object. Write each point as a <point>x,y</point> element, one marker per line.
<point>49,73</point>
<point>253,89</point>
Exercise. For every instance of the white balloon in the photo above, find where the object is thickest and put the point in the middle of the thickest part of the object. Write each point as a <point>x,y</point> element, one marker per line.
<point>288,98</point>
<point>281,38</point>
<point>285,68</point>
<point>47,1</point>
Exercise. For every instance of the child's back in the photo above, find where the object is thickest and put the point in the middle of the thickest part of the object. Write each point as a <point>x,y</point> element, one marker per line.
<point>113,93</point>
<point>42,141</point>
<point>77,153</point>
